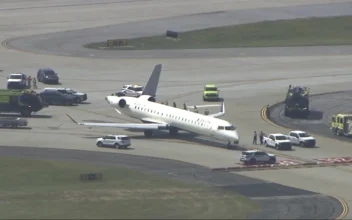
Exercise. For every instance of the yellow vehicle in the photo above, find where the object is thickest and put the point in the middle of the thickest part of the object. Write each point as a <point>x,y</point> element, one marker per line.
<point>341,124</point>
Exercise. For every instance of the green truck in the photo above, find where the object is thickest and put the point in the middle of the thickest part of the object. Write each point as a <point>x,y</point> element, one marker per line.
<point>210,92</point>
<point>297,102</point>
<point>21,101</point>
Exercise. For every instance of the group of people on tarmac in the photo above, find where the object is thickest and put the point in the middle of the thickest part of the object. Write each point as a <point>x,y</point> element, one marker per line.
<point>261,137</point>
<point>30,80</point>
<point>195,109</point>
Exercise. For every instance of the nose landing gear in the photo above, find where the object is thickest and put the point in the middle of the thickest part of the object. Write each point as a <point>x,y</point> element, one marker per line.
<point>230,146</point>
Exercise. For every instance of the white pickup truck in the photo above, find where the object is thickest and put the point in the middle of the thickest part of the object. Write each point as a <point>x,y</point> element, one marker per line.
<point>301,138</point>
<point>278,141</point>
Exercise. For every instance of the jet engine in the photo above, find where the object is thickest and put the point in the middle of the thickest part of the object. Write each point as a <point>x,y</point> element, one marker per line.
<point>147,98</point>
<point>122,103</point>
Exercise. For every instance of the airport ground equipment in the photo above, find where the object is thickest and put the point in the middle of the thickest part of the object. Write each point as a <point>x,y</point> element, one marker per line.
<point>341,124</point>
<point>256,156</point>
<point>17,101</point>
<point>297,102</point>
<point>277,141</point>
<point>301,138</point>
<point>210,92</point>
<point>13,122</point>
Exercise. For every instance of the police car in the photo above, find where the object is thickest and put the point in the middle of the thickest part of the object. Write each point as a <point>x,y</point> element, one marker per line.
<point>134,90</point>
<point>257,156</point>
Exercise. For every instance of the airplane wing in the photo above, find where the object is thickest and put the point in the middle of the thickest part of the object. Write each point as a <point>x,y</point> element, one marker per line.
<point>136,126</point>
<point>216,115</point>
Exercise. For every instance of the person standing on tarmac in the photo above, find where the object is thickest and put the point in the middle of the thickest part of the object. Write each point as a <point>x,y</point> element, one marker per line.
<point>261,136</point>
<point>195,109</point>
<point>29,80</point>
<point>206,112</point>
<point>255,138</point>
<point>34,83</point>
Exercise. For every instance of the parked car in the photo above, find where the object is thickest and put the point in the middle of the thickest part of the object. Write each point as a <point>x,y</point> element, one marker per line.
<point>116,141</point>
<point>13,122</point>
<point>17,81</point>
<point>47,75</point>
<point>53,97</point>
<point>278,141</point>
<point>301,138</point>
<point>80,96</point>
<point>256,156</point>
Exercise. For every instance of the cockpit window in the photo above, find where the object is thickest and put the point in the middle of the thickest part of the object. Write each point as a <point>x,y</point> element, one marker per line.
<point>230,128</point>
<point>221,128</point>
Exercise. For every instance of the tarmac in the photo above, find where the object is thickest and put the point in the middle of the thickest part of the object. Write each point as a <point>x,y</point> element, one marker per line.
<point>248,81</point>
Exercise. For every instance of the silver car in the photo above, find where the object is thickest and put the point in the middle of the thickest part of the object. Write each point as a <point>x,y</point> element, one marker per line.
<point>13,122</point>
<point>80,96</point>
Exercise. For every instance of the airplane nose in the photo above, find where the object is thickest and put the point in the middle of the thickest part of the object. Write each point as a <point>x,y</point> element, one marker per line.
<point>236,137</point>
<point>107,99</point>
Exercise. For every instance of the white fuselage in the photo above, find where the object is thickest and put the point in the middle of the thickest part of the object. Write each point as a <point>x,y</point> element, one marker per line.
<point>153,112</point>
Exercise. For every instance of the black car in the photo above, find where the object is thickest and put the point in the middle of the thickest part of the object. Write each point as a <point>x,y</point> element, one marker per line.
<point>47,75</point>
<point>53,97</point>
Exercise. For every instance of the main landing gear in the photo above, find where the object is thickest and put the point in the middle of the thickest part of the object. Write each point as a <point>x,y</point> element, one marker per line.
<point>148,133</point>
<point>172,131</point>
<point>230,146</point>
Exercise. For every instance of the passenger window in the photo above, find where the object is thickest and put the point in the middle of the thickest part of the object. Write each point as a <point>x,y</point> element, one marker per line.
<point>333,119</point>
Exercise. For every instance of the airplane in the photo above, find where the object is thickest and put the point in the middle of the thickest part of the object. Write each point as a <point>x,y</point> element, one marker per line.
<point>156,116</point>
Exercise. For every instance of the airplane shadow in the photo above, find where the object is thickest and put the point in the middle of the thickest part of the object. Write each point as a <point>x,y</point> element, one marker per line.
<point>183,136</point>
<point>19,116</point>
<point>189,137</point>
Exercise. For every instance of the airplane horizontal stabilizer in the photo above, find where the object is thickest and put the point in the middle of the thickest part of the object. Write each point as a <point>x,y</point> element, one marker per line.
<point>202,106</point>
<point>136,126</point>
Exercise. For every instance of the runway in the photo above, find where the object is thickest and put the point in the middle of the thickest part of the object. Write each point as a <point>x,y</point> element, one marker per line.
<point>248,80</point>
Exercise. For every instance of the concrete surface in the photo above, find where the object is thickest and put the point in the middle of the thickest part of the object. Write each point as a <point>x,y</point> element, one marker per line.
<point>70,43</point>
<point>277,201</point>
<point>247,83</point>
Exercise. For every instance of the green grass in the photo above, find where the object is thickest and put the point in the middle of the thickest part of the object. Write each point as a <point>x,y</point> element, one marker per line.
<point>297,32</point>
<point>38,189</point>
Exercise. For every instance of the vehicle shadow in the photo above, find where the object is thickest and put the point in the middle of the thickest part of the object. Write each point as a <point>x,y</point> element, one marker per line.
<point>313,115</point>
<point>19,116</point>
<point>17,128</point>
<point>220,100</point>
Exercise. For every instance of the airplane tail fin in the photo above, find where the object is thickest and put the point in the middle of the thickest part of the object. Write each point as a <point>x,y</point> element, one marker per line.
<point>152,84</point>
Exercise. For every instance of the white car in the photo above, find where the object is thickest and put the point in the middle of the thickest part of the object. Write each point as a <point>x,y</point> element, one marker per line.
<point>80,96</point>
<point>17,81</point>
<point>116,141</point>
<point>135,88</point>
<point>278,141</point>
<point>256,156</point>
<point>301,138</point>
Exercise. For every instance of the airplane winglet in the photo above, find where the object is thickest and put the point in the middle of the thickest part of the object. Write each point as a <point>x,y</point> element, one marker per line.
<point>73,120</point>
<point>221,113</point>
